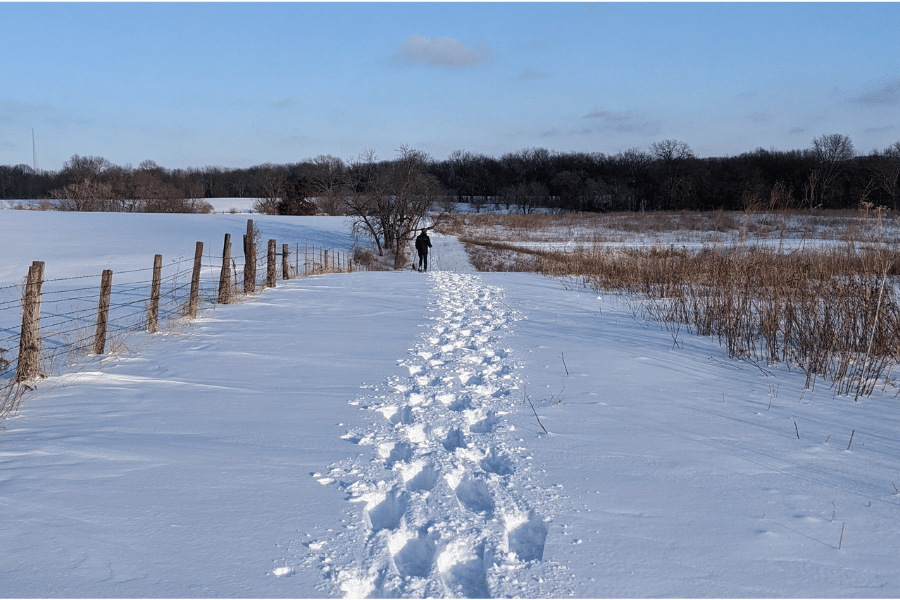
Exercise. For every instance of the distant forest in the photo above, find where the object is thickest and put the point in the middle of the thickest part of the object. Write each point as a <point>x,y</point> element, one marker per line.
<point>829,174</point>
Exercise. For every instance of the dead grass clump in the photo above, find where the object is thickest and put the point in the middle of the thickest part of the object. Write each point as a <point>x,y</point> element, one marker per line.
<point>834,312</point>
<point>829,311</point>
<point>366,260</point>
<point>11,397</point>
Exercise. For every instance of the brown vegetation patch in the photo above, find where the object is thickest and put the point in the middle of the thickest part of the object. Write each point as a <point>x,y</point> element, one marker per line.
<point>831,310</point>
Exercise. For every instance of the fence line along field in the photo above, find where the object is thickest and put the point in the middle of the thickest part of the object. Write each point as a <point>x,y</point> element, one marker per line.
<point>47,324</point>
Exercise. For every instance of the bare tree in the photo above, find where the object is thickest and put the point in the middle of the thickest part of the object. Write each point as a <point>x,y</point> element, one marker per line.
<point>268,179</point>
<point>84,195</point>
<point>886,172</point>
<point>526,197</point>
<point>390,201</point>
<point>831,153</point>
<point>85,190</point>
<point>329,181</point>
<point>672,155</point>
<point>635,165</point>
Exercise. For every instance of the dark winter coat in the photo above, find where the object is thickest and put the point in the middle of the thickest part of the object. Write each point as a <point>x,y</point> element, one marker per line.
<point>423,243</point>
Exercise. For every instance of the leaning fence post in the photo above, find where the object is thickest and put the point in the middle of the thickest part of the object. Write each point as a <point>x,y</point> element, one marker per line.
<point>153,312</point>
<point>195,281</point>
<point>270,265</point>
<point>249,260</point>
<point>28,365</point>
<point>285,262</point>
<point>103,312</point>
<point>225,275</point>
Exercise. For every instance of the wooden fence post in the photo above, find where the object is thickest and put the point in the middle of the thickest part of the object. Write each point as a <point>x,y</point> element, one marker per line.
<point>103,312</point>
<point>305,260</point>
<point>28,365</point>
<point>297,259</point>
<point>225,275</point>
<point>270,265</point>
<point>249,260</point>
<point>285,262</point>
<point>153,311</point>
<point>194,301</point>
<point>325,262</point>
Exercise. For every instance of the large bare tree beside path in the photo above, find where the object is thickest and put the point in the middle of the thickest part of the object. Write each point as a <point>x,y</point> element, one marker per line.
<point>391,200</point>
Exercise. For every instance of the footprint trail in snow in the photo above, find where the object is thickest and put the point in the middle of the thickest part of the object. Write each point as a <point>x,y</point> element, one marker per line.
<point>449,508</point>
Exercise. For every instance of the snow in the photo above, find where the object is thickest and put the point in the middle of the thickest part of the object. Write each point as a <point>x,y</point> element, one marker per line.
<point>370,434</point>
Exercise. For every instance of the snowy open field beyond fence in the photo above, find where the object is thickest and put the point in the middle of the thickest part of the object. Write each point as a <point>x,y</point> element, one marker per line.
<point>451,434</point>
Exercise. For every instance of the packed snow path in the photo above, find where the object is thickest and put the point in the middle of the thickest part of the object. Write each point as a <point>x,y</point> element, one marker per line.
<point>446,507</point>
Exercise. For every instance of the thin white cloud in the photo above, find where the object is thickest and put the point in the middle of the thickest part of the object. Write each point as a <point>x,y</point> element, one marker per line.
<point>442,52</point>
<point>17,107</point>
<point>620,122</point>
<point>533,74</point>
<point>284,103</point>
<point>759,116</point>
<point>882,93</point>
<point>879,94</point>
<point>885,129</point>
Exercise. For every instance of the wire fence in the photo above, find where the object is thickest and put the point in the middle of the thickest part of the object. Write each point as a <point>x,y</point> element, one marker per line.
<point>69,309</point>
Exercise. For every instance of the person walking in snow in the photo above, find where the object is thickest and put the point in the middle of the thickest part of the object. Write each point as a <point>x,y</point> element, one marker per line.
<point>423,243</point>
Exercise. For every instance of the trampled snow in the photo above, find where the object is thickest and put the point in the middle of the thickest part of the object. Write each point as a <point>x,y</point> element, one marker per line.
<point>372,434</point>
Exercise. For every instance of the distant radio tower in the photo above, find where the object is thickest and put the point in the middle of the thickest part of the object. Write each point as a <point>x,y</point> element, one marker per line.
<point>33,151</point>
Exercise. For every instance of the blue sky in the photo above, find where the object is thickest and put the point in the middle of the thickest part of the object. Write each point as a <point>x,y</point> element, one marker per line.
<point>239,84</point>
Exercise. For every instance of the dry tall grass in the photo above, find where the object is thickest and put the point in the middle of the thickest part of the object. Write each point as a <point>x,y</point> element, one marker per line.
<point>831,310</point>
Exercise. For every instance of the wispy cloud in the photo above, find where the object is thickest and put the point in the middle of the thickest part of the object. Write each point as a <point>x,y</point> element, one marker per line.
<point>11,106</point>
<point>881,93</point>
<point>442,52</point>
<point>620,122</point>
<point>885,129</point>
<point>884,93</point>
<point>533,74</point>
<point>284,103</point>
<point>759,116</point>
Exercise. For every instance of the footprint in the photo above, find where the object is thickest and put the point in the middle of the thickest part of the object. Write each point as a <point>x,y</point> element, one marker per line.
<point>497,462</point>
<point>462,568</point>
<point>397,414</point>
<point>470,378</point>
<point>419,434</point>
<point>472,492</point>
<point>526,535</point>
<point>455,439</point>
<point>482,423</point>
<point>416,555</point>
<point>420,476</point>
<point>458,404</point>
<point>393,452</point>
<point>384,509</point>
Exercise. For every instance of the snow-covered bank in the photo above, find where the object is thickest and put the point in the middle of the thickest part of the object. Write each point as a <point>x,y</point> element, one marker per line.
<point>367,433</point>
<point>184,470</point>
<point>77,244</point>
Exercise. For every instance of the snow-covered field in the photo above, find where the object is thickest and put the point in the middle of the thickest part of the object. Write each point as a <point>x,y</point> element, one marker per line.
<point>369,434</point>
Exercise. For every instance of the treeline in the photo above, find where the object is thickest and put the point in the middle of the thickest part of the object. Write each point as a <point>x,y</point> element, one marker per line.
<point>668,176</point>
